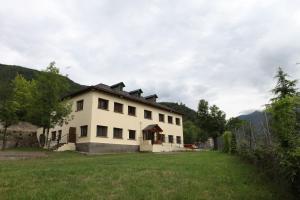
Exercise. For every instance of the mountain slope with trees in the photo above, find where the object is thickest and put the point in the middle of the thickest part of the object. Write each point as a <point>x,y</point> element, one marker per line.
<point>9,72</point>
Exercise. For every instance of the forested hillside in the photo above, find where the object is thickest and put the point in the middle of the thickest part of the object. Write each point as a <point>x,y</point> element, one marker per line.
<point>9,72</point>
<point>188,113</point>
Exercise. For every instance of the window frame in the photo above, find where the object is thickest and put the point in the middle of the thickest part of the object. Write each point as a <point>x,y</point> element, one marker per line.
<point>79,108</point>
<point>81,130</point>
<point>177,121</point>
<point>59,134</point>
<point>122,106</point>
<point>130,114</point>
<point>170,117</point>
<point>149,111</point>
<point>105,128</point>
<point>163,136</point>
<point>131,131</point>
<point>178,138</point>
<point>159,117</point>
<point>103,100</point>
<point>114,137</point>
<point>53,135</point>
<point>171,137</point>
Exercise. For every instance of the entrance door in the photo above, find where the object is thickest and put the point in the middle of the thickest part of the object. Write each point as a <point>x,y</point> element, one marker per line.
<point>72,135</point>
<point>149,136</point>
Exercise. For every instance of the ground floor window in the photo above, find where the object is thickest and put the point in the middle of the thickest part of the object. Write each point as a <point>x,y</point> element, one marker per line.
<point>131,134</point>
<point>59,135</point>
<point>178,139</point>
<point>83,131</point>
<point>101,131</point>
<point>170,138</point>
<point>163,138</point>
<point>118,133</point>
<point>53,135</point>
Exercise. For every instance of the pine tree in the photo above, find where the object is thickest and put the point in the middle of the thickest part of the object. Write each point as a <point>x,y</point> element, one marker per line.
<point>284,87</point>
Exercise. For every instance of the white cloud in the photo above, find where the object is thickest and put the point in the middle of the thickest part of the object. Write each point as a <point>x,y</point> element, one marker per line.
<point>224,51</point>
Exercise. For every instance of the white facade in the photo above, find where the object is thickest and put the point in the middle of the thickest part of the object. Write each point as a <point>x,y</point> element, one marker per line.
<point>92,116</point>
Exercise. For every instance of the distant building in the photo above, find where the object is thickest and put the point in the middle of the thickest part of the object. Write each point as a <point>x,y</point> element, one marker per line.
<point>21,134</point>
<point>109,119</point>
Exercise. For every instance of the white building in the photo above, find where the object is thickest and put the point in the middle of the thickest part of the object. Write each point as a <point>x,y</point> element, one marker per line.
<point>108,119</point>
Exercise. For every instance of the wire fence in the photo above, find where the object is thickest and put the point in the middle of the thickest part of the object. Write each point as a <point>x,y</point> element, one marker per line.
<point>252,134</point>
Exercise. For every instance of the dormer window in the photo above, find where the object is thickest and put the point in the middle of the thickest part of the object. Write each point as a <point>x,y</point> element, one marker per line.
<point>136,93</point>
<point>151,98</point>
<point>118,86</point>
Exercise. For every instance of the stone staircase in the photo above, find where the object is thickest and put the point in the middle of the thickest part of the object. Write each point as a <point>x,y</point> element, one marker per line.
<point>66,147</point>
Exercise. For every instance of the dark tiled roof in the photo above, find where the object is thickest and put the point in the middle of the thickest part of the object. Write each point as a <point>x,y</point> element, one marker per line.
<point>107,89</point>
<point>151,96</point>
<point>136,91</point>
<point>153,128</point>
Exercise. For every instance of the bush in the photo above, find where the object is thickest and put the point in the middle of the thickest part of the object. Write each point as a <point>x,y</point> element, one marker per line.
<point>227,141</point>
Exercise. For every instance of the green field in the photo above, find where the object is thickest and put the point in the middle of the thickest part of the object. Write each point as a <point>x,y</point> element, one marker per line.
<point>193,175</point>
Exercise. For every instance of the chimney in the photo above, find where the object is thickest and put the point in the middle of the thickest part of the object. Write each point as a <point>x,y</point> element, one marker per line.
<point>136,93</point>
<point>151,98</point>
<point>118,86</point>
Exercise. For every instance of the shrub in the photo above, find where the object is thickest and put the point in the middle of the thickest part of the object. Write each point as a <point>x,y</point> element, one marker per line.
<point>226,139</point>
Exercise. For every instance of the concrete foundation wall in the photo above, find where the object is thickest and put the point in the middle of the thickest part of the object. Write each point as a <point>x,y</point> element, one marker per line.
<point>105,148</point>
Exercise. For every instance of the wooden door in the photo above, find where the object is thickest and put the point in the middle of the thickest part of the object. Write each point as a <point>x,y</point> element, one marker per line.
<point>72,135</point>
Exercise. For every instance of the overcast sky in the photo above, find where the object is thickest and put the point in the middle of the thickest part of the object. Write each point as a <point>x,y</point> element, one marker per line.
<point>225,51</point>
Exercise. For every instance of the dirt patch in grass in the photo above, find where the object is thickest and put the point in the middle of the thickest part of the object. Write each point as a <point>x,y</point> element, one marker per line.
<point>17,155</point>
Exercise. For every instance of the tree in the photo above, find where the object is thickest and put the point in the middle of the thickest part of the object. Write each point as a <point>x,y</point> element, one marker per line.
<point>217,122</point>
<point>203,114</point>
<point>8,108</point>
<point>284,87</point>
<point>233,124</point>
<point>190,132</point>
<point>23,94</point>
<point>285,121</point>
<point>47,108</point>
<point>211,120</point>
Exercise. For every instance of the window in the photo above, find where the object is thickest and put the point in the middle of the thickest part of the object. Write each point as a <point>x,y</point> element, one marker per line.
<point>59,135</point>
<point>118,132</point>
<point>178,139</point>
<point>79,105</point>
<point>163,138</point>
<point>83,131</point>
<point>170,138</point>
<point>147,114</point>
<point>131,134</point>
<point>177,121</point>
<point>103,104</point>
<point>161,117</point>
<point>170,119</point>
<point>53,135</point>
<point>131,110</point>
<point>118,107</point>
<point>101,131</point>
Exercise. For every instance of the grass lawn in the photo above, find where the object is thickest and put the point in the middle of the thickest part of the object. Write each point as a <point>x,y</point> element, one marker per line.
<point>190,175</point>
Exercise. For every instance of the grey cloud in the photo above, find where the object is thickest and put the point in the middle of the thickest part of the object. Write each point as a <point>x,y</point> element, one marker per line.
<point>225,52</point>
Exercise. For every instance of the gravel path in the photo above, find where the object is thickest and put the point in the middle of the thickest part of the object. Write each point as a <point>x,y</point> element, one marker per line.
<point>15,155</point>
